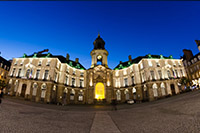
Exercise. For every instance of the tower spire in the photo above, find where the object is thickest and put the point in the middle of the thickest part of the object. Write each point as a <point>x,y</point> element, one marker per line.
<point>98,34</point>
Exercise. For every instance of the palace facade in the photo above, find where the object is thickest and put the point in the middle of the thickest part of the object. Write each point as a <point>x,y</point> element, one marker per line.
<point>57,79</point>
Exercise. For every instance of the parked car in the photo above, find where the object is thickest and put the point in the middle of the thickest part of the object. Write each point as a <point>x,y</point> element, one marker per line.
<point>130,101</point>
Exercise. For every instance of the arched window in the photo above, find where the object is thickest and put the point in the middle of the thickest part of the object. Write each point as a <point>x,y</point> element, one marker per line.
<point>72,93</point>
<point>43,92</point>
<point>126,92</point>
<point>155,90</point>
<point>162,86</point>
<point>35,86</point>
<point>118,94</point>
<point>80,96</point>
<point>16,85</point>
<point>134,93</point>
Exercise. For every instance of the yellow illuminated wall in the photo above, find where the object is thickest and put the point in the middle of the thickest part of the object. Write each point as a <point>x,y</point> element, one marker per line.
<point>99,91</point>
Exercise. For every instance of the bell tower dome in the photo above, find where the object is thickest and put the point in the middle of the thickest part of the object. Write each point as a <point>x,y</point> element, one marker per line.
<point>99,53</point>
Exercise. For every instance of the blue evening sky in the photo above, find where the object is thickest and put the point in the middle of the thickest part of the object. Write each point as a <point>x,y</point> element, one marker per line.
<point>128,28</point>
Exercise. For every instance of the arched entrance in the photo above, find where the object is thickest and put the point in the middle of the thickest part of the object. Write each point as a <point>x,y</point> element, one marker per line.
<point>99,91</point>
<point>173,89</point>
<point>23,91</point>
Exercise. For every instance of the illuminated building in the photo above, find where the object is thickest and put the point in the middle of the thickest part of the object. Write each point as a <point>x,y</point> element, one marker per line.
<point>56,79</point>
<point>192,65</point>
<point>4,68</point>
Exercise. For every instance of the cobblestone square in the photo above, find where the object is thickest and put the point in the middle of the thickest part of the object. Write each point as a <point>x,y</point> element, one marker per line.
<point>179,113</point>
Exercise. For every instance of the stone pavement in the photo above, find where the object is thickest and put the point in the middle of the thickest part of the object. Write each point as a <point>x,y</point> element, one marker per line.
<point>103,123</point>
<point>180,113</point>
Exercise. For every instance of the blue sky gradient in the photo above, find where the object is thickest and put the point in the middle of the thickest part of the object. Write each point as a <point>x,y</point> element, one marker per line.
<point>128,28</point>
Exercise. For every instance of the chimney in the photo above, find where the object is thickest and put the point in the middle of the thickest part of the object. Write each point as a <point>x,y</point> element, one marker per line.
<point>188,54</point>
<point>120,62</point>
<point>129,57</point>
<point>77,60</point>
<point>198,44</point>
<point>67,57</point>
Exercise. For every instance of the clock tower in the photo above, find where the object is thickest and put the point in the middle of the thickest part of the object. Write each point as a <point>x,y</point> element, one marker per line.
<point>99,53</point>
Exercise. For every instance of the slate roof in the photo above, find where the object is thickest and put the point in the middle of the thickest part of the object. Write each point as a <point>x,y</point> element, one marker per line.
<point>137,60</point>
<point>60,57</point>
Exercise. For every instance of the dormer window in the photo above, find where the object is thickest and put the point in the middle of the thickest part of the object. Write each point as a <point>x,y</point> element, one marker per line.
<point>192,61</point>
<point>5,67</point>
<point>67,70</point>
<point>15,63</point>
<point>157,64</point>
<point>40,63</point>
<point>1,64</point>
<point>21,63</point>
<point>199,57</point>
<point>195,59</point>
<point>189,63</point>
<point>48,63</point>
<point>74,72</point>
<point>150,63</point>
<point>81,74</point>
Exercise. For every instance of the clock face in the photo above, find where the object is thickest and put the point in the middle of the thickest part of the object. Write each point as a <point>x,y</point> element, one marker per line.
<point>99,57</point>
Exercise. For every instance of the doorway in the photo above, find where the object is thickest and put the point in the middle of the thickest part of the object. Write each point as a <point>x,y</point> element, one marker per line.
<point>173,89</point>
<point>23,91</point>
<point>99,91</point>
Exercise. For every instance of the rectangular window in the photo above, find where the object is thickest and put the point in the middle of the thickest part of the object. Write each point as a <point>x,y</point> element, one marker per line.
<point>176,73</point>
<point>66,80</point>
<point>160,74</point>
<point>168,73</point>
<point>13,72</point>
<point>37,74</point>
<point>132,79</point>
<point>81,74</point>
<point>46,74</point>
<point>27,73</point>
<point>126,82</point>
<point>73,81</point>
<point>80,97</point>
<point>81,83</point>
<point>152,75</point>
<point>181,72</point>
<point>19,72</point>
<point>55,78</point>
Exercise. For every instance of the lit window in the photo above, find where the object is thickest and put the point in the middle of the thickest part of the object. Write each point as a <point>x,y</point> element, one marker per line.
<point>37,74</point>
<point>132,79</point>
<point>66,80</point>
<point>152,75</point>
<point>141,66</point>
<point>150,63</point>
<point>73,81</point>
<point>81,82</point>
<point>56,76</point>
<point>168,73</point>
<point>40,63</point>
<point>160,74</point>
<point>19,72</point>
<point>28,73</point>
<point>13,72</point>
<point>81,74</point>
<point>46,74</point>
<point>48,63</point>
<point>126,82</point>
